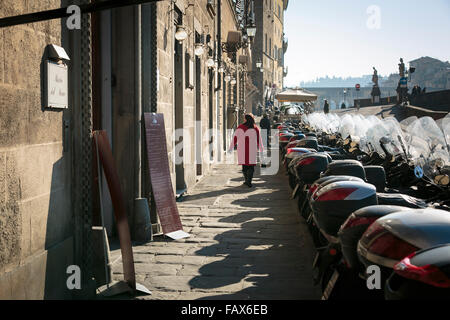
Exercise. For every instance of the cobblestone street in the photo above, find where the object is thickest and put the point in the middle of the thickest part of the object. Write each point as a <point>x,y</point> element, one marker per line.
<point>245,244</point>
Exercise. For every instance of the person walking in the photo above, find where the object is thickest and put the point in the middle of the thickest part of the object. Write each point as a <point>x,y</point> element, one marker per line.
<point>247,138</point>
<point>326,107</point>
<point>265,125</point>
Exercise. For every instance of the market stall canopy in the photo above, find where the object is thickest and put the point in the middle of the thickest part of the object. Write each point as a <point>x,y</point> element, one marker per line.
<point>295,95</point>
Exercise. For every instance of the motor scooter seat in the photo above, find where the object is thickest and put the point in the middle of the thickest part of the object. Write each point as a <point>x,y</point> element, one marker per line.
<point>398,199</point>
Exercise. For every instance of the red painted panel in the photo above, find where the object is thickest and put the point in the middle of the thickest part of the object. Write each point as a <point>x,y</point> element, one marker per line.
<point>158,164</point>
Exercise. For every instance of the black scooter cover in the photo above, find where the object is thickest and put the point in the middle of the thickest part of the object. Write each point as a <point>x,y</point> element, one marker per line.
<point>308,173</point>
<point>346,168</point>
<point>350,236</point>
<point>334,203</point>
<point>423,228</point>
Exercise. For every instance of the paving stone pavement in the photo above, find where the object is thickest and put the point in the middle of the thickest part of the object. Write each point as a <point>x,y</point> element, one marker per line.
<point>245,244</point>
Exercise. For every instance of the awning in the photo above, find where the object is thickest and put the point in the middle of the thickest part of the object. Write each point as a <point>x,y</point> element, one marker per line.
<point>295,95</point>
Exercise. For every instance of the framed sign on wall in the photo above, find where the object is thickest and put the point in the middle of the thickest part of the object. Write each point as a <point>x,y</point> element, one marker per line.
<point>57,91</point>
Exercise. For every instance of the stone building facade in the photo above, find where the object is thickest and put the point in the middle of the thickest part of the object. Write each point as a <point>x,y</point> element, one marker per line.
<point>36,225</point>
<point>269,48</point>
<point>123,62</point>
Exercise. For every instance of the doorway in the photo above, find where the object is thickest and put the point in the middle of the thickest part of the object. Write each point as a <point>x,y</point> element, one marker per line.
<point>198,113</point>
<point>211,114</point>
<point>178,108</point>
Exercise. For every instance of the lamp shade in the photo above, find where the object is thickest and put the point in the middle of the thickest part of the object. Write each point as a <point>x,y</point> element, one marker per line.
<point>199,49</point>
<point>251,31</point>
<point>181,33</point>
<point>210,63</point>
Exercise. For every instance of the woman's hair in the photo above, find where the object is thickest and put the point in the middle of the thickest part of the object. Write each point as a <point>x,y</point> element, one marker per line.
<point>249,121</point>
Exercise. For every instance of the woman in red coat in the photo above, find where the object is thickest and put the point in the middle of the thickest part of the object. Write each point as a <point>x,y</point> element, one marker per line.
<point>248,140</point>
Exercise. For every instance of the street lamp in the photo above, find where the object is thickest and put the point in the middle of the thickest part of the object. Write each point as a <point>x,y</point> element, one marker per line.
<point>258,64</point>
<point>210,63</point>
<point>233,81</point>
<point>199,49</point>
<point>251,31</point>
<point>227,78</point>
<point>181,33</point>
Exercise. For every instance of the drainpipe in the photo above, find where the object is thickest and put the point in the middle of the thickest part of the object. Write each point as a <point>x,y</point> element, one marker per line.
<point>83,217</point>
<point>219,42</point>
<point>138,103</point>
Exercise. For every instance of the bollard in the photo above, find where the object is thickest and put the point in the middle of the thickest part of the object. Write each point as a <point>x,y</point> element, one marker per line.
<point>142,225</point>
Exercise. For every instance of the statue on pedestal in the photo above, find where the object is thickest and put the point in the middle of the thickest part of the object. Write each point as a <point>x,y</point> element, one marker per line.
<point>375,77</point>
<point>401,68</point>
<point>402,88</point>
<point>376,92</point>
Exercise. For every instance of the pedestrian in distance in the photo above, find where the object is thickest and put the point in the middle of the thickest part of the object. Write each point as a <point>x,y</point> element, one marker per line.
<point>326,107</point>
<point>414,91</point>
<point>247,138</point>
<point>265,125</point>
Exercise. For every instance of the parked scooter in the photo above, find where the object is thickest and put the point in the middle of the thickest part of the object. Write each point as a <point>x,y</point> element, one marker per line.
<point>386,145</point>
<point>396,236</point>
<point>423,275</point>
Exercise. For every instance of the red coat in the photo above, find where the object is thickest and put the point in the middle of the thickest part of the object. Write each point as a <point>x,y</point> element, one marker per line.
<point>248,143</point>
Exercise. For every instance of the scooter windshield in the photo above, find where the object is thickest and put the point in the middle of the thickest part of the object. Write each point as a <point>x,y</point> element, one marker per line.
<point>446,130</point>
<point>427,145</point>
<point>394,139</point>
<point>374,135</point>
<point>347,127</point>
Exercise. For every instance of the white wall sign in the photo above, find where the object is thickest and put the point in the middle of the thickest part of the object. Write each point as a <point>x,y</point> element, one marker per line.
<point>57,85</point>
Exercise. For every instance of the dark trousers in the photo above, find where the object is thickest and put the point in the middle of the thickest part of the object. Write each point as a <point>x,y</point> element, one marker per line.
<point>266,138</point>
<point>248,173</point>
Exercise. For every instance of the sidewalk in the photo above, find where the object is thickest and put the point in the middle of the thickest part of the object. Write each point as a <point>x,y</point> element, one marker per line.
<point>245,244</point>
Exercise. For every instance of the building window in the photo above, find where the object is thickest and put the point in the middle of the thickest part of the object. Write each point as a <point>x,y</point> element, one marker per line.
<point>270,47</point>
<point>265,43</point>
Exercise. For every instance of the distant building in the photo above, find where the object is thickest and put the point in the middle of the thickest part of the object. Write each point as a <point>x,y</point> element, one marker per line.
<point>269,47</point>
<point>430,73</point>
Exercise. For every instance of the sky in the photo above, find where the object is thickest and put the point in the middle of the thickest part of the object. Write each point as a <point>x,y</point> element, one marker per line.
<point>348,37</point>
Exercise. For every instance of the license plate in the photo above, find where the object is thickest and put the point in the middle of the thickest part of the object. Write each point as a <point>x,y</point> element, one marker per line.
<point>330,285</point>
<point>295,191</point>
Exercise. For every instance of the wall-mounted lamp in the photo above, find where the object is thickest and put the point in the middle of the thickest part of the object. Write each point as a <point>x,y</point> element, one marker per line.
<point>199,49</point>
<point>258,64</point>
<point>210,63</point>
<point>233,81</point>
<point>251,30</point>
<point>227,78</point>
<point>221,70</point>
<point>181,33</point>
